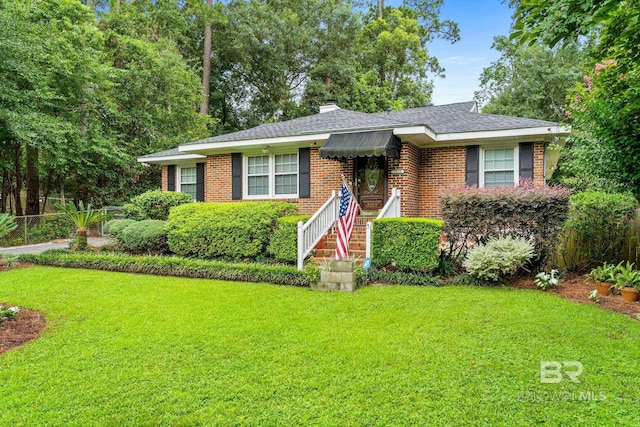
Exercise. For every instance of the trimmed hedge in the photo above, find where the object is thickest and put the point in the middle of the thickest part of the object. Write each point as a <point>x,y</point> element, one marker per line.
<point>155,204</point>
<point>174,266</point>
<point>409,243</point>
<point>147,236</point>
<point>115,227</point>
<point>475,215</point>
<point>283,246</point>
<point>235,230</point>
<point>596,229</point>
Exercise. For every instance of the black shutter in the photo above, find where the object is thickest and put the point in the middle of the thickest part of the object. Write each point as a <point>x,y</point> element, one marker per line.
<point>236,176</point>
<point>472,175</point>
<point>199,182</point>
<point>171,178</point>
<point>304,173</point>
<point>526,160</point>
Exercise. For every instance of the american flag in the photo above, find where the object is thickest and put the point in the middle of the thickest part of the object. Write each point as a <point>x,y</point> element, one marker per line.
<point>346,220</point>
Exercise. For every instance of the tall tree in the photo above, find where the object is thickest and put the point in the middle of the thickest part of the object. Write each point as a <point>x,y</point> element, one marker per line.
<point>606,108</point>
<point>206,65</point>
<point>530,81</point>
<point>393,63</point>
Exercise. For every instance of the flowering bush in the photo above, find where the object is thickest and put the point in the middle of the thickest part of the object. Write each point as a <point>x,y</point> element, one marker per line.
<point>531,211</point>
<point>8,313</point>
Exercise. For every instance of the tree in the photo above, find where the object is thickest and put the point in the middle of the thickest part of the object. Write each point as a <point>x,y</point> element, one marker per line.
<point>83,218</point>
<point>530,81</point>
<point>206,66</point>
<point>606,109</point>
<point>393,63</point>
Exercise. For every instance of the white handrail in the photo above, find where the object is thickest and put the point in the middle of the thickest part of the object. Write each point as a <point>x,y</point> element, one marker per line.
<point>311,232</point>
<point>391,209</point>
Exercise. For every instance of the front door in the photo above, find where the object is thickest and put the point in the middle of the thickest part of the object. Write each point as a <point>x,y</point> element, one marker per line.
<point>371,177</point>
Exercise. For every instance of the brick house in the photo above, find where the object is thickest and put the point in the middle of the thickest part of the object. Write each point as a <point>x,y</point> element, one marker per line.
<point>419,151</point>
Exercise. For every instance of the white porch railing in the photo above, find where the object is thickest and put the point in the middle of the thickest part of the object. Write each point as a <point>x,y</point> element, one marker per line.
<point>391,209</point>
<point>310,233</point>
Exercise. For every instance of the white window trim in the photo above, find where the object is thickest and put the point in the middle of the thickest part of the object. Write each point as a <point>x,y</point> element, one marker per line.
<point>271,175</point>
<point>516,163</point>
<point>179,177</point>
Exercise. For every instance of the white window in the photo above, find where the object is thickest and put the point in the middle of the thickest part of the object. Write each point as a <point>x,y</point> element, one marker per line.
<point>187,180</point>
<point>271,175</point>
<point>499,167</point>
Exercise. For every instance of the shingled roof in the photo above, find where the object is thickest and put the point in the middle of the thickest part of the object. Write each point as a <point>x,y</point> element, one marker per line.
<point>462,117</point>
<point>448,120</point>
<point>333,121</point>
<point>451,118</point>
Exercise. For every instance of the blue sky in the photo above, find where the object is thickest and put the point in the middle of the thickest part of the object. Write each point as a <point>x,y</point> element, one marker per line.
<point>480,21</point>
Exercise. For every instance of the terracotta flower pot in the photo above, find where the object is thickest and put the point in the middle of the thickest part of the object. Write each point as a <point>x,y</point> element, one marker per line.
<point>629,294</point>
<point>604,288</point>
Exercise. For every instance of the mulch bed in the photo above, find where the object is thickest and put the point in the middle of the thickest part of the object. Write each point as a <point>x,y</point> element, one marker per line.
<point>26,326</point>
<point>576,287</point>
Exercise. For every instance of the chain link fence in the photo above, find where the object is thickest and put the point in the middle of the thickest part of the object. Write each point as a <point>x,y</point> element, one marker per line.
<point>47,227</point>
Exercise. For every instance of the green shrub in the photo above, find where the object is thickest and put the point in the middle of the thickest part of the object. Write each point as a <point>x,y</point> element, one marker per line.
<point>235,230</point>
<point>174,266</point>
<point>147,236</point>
<point>466,279</point>
<point>283,246</point>
<point>115,227</point>
<point>401,277</point>
<point>498,257</point>
<point>155,204</point>
<point>475,215</point>
<point>409,243</point>
<point>596,228</point>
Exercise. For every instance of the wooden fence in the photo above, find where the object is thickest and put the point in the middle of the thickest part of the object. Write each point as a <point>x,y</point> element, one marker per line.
<point>570,253</point>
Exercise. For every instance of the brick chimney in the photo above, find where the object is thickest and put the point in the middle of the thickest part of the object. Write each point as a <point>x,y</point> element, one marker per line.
<point>330,105</point>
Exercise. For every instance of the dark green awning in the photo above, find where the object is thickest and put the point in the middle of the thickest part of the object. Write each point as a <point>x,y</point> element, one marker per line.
<point>361,144</point>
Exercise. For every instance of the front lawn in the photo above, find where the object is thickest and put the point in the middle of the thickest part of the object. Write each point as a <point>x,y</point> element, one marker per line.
<point>133,349</point>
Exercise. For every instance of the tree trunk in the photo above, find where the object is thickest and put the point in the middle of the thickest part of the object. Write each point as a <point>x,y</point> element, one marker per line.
<point>81,239</point>
<point>33,181</point>
<point>206,66</point>
<point>380,7</point>
<point>17,189</point>
<point>4,191</point>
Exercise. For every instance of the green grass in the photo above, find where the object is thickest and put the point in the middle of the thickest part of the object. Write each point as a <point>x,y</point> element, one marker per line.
<point>133,349</point>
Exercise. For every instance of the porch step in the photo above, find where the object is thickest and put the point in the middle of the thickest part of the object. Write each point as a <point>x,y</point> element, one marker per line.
<point>326,248</point>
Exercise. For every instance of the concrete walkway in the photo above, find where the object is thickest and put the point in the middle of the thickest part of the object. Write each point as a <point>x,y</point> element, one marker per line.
<point>41,247</point>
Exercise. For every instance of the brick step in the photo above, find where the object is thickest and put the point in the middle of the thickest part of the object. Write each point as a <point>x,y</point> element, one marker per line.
<point>361,246</point>
<point>325,254</point>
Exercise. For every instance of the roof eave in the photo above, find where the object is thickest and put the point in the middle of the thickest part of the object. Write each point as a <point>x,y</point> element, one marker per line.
<point>159,160</point>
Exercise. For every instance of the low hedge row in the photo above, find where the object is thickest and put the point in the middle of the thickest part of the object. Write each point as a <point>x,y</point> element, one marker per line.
<point>402,278</point>
<point>409,243</point>
<point>236,231</point>
<point>173,266</point>
<point>283,246</point>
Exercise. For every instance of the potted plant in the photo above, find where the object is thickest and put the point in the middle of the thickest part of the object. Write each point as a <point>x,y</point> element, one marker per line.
<point>605,277</point>
<point>628,280</point>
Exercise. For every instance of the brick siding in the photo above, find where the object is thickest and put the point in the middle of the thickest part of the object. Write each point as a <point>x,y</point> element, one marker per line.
<point>426,172</point>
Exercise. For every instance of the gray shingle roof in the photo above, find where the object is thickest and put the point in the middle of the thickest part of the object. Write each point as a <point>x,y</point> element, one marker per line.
<point>167,153</point>
<point>458,118</point>
<point>441,119</point>
<point>333,121</point>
